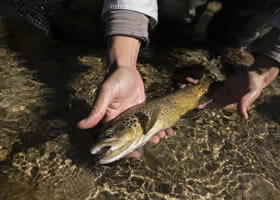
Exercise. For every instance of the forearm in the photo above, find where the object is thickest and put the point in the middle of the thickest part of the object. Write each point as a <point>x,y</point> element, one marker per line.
<point>124,37</point>
<point>268,45</point>
<point>123,51</point>
<point>267,56</point>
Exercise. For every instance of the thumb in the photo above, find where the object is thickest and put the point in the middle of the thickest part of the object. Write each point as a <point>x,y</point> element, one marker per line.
<point>98,111</point>
<point>244,104</point>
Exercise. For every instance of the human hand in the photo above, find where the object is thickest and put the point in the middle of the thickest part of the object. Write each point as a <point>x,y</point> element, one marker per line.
<point>120,91</point>
<point>123,87</point>
<point>240,91</point>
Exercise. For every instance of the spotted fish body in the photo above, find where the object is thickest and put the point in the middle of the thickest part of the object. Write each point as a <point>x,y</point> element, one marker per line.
<point>137,125</point>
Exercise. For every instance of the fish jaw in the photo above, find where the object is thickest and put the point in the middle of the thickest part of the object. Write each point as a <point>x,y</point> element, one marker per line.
<point>121,144</point>
<point>115,153</point>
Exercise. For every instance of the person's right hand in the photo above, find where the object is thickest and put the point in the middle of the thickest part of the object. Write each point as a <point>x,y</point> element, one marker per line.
<point>123,87</point>
<point>122,90</point>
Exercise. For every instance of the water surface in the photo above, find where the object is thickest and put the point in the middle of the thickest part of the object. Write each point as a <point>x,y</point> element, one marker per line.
<point>47,86</point>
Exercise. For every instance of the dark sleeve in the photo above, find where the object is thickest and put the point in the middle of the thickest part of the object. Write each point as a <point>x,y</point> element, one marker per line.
<point>127,23</point>
<point>269,45</point>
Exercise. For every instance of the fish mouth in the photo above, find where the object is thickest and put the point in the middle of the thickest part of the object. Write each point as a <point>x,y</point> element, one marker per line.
<point>101,151</point>
<point>109,153</point>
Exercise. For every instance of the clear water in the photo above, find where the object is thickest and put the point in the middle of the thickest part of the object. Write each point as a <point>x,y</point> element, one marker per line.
<point>47,86</point>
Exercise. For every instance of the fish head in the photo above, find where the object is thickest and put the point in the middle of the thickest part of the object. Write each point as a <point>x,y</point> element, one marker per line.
<point>117,141</point>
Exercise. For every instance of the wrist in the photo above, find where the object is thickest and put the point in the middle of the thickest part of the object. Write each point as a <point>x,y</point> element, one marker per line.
<point>122,52</point>
<point>266,68</point>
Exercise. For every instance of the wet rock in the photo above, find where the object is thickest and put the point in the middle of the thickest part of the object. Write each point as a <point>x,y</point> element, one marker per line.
<point>3,154</point>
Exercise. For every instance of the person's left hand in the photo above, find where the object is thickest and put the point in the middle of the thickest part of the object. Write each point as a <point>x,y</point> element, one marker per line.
<point>240,91</point>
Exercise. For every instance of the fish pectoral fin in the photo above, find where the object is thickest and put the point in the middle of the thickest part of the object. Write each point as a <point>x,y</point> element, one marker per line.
<point>192,114</point>
<point>153,119</point>
<point>204,100</point>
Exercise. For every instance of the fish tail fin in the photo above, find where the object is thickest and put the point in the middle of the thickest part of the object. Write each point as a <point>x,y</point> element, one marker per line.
<point>204,83</point>
<point>205,78</point>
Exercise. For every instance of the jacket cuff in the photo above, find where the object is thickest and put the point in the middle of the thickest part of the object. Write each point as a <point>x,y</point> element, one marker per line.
<point>146,7</point>
<point>127,23</point>
<point>269,45</point>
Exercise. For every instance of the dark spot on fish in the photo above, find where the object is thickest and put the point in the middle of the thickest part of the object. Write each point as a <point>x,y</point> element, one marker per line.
<point>143,120</point>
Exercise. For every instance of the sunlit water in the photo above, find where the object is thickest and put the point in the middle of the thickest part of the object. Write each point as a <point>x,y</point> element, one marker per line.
<point>46,87</point>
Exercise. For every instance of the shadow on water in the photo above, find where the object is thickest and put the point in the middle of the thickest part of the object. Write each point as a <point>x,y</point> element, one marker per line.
<point>270,109</point>
<point>55,64</point>
<point>218,156</point>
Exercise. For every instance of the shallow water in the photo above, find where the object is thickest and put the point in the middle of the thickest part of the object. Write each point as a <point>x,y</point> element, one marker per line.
<point>47,86</point>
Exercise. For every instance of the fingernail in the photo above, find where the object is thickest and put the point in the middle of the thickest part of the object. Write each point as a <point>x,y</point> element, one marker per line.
<point>83,121</point>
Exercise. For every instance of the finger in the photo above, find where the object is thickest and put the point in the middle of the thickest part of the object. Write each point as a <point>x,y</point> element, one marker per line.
<point>189,80</point>
<point>244,104</point>
<point>192,80</point>
<point>182,85</point>
<point>170,131</point>
<point>161,134</point>
<point>134,154</point>
<point>207,105</point>
<point>204,105</point>
<point>232,106</point>
<point>99,110</point>
<point>154,140</point>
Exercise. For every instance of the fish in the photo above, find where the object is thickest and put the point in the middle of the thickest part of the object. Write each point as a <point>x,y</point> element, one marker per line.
<point>135,127</point>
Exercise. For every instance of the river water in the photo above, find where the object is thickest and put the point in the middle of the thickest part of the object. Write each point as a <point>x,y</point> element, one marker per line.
<point>46,86</point>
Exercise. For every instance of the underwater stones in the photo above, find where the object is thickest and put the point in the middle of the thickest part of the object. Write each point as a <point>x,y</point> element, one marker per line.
<point>3,154</point>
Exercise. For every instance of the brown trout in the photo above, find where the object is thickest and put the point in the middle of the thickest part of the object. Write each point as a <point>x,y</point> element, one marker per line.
<point>136,126</point>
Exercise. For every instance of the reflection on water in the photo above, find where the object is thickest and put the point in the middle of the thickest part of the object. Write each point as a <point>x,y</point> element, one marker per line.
<point>46,88</point>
